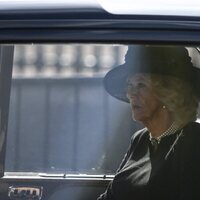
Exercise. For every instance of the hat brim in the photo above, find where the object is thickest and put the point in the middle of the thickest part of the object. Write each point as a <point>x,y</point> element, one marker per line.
<point>115,82</point>
<point>168,61</point>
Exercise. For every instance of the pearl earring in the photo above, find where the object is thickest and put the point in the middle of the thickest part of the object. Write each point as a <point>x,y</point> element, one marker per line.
<point>164,107</point>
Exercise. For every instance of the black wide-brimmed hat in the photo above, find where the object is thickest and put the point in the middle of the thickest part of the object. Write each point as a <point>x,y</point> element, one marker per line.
<point>165,60</point>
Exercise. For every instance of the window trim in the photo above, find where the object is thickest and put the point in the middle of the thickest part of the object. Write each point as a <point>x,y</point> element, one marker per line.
<point>5,85</point>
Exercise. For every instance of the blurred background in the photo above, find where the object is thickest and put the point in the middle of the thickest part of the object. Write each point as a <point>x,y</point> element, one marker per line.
<point>61,120</point>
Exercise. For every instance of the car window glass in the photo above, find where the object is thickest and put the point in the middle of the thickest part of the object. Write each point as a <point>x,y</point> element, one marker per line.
<point>61,119</point>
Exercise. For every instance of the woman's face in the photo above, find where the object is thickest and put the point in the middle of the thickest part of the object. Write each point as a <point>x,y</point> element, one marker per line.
<point>144,103</point>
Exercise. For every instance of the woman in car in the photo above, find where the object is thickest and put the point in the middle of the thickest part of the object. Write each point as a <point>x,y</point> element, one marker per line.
<point>163,160</point>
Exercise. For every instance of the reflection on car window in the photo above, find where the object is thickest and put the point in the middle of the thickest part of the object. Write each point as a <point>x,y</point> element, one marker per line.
<point>61,119</point>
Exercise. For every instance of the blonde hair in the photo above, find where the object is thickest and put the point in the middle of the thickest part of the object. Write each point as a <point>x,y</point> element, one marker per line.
<point>177,95</point>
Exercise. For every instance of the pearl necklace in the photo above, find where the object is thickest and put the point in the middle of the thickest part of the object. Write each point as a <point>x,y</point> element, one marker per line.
<point>171,130</point>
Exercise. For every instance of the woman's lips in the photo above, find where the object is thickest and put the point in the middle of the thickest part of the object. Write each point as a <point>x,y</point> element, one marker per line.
<point>136,107</point>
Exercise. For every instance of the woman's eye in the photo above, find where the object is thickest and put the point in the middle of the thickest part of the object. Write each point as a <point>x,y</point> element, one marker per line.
<point>129,85</point>
<point>141,85</point>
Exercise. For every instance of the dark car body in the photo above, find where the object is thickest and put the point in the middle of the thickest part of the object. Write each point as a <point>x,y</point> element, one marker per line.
<point>83,25</point>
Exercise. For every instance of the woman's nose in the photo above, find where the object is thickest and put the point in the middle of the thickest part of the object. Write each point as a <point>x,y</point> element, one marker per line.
<point>131,92</point>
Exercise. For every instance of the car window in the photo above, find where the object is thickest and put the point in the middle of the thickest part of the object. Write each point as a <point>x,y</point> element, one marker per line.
<point>61,120</point>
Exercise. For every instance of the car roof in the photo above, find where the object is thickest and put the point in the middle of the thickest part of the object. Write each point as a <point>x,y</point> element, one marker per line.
<point>45,4</point>
<point>153,7</point>
<point>125,7</point>
<point>89,21</point>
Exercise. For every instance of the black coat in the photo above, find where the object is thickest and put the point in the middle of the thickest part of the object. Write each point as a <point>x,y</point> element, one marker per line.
<point>162,174</point>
